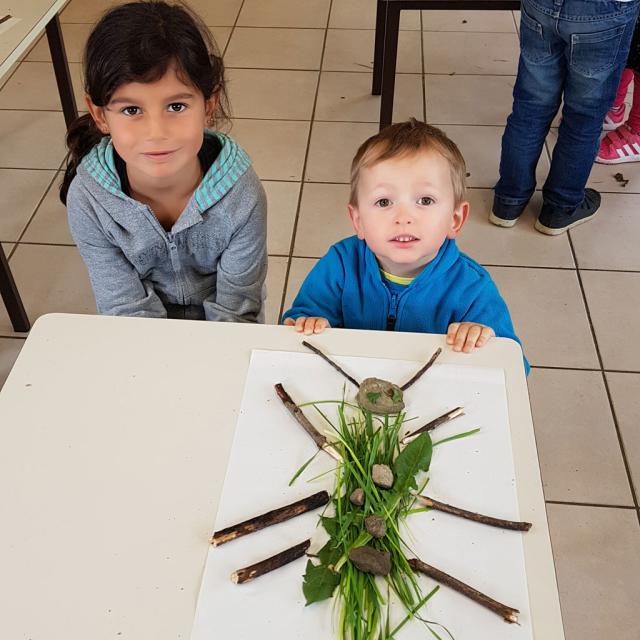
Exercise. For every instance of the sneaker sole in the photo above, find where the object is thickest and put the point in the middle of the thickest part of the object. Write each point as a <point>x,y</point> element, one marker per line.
<point>633,158</point>
<point>549,231</point>
<point>501,222</point>
<point>611,127</point>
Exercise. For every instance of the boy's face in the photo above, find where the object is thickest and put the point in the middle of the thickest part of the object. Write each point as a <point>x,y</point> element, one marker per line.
<point>406,209</point>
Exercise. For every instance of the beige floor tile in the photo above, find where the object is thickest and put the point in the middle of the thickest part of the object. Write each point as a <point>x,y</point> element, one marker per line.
<point>361,14</point>
<point>220,12</point>
<point>333,145</point>
<point>516,19</point>
<point>221,37</point>
<point>49,225</point>
<point>571,412</point>
<point>271,94</point>
<point>87,12</point>
<point>488,21</point>
<point>480,146</point>
<point>610,240</point>
<point>625,393</point>
<point>346,96</point>
<point>21,191</point>
<point>597,557</point>
<point>563,338</point>
<point>521,245</point>
<point>614,304</point>
<point>352,50</point>
<point>470,53</point>
<point>33,86</point>
<point>282,199</point>
<point>275,287</point>
<point>298,271</point>
<point>277,147</point>
<point>32,139</point>
<point>323,218</point>
<point>9,352</point>
<point>275,48</point>
<point>50,279</point>
<point>469,99</point>
<point>284,13</point>
<point>74,36</point>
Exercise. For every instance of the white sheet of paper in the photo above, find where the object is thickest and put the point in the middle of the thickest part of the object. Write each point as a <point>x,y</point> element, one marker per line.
<point>474,473</point>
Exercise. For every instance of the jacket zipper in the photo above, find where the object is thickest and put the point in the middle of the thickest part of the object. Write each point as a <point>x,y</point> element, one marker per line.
<point>391,318</point>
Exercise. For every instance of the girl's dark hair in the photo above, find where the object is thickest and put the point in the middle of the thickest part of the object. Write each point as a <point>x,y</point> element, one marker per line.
<point>137,42</point>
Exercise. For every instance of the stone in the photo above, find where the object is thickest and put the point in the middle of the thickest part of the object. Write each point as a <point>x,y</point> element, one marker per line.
<point>375,525</point>
<point>382,476</point>
<point>357,497</point>
<point>380,396</point>
<point>371,560</point>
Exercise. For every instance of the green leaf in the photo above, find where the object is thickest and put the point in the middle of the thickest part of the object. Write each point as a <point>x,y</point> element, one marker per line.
<point>397,395</point>
<point>373,396</point>
<point>457,436</point>
<point>331,525</point>
<point>330,553</point>
<point>303,467</point>
<point>319,583</point>
<point>415,457</point>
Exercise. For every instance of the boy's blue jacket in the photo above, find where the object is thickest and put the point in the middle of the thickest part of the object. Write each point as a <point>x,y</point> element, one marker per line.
<point>347,289</point>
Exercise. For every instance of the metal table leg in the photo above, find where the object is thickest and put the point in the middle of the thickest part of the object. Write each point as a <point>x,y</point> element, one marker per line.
<point>11,297</point>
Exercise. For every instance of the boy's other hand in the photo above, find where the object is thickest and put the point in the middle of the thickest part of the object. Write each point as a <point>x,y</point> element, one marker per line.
<point>307,325</point>
<point>467,336</point>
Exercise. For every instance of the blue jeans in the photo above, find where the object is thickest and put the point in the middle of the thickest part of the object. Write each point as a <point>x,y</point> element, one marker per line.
<point>571,50</point>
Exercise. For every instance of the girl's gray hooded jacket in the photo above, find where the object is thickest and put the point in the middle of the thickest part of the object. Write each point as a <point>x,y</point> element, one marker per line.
<point>211,265</point>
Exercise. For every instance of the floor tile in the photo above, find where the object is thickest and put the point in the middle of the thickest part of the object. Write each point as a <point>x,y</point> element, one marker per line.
<point>614,304</point>
<point>563,338</point>
<point>266,93</point>
<point>220,12</point>
<point>346,96</point>
<point>610,240</point>
<point>277,147</point>
<point>87,12</point>
<point>521,245</point>
<point>472,20</point>
<point>597,557</point>
<point>50,279</point>
<point>332,147</point>
<point>221,37</point>
<point>625,394</point>
<point>49,225</point>
<point>33,86</point>
<point>323,218</point>
<point>284,13</point>
<point>282,200</point>
<point>470,53</point>
<point>298,271</point>
<point>461,99</point>
<point>275,286</point>
<point>74,36</point>
<point>361,14</point>
<point>352,50</point>
<point>275,48</point>
<point>9,351</point>
<point>571,413</point>
<point>32,139</point>
<point>21,191</point>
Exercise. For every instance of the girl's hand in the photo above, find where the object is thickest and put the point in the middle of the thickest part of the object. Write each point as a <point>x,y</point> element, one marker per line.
<point>308,325</point>
<point>467,336</point>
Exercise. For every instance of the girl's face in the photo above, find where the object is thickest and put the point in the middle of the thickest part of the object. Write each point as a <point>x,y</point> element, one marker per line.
<point>156,127</point>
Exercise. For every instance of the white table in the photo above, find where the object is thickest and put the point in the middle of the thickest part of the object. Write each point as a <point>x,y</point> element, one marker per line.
<point>114,437</point>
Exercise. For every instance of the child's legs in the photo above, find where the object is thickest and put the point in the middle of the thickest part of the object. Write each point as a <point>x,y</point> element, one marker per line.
<point>627,77</point>
<point>633,121</point>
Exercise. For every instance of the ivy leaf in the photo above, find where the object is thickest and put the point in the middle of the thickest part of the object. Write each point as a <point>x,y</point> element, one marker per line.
<point>415,457</point>
<point>319,582</point>
<point>330,553</point>
<point>373,396</point>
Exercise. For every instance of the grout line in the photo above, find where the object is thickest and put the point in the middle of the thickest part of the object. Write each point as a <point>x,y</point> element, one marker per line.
<point>591,504</point>
<point>556,368</point>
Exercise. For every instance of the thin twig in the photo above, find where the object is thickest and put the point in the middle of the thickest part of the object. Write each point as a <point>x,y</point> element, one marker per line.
<point>508,614</point>
<point>274,562</point>
<point>275,516</point>
<point>336,366</point>
<point>421,371</point>
<point>472,515</point>
<point>436,422</point>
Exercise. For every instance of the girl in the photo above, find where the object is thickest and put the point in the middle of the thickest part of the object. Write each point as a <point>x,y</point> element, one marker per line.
<point>169,217</point>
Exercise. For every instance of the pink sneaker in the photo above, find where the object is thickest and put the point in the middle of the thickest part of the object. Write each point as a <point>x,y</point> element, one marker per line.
<point>614,118</point>
<point>621,145</point>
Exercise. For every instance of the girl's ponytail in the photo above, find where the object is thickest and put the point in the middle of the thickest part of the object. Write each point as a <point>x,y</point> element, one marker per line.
<point>82,136</point>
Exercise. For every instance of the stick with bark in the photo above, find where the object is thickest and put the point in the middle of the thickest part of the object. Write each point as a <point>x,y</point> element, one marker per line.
<point>436,422</point>
<point>471,515</point>
<point>422,370</point>
<point>271,517</point>
<point>270,564</point>
<point>335,365</point>
<point>508,614</point>
<point>303,421</point>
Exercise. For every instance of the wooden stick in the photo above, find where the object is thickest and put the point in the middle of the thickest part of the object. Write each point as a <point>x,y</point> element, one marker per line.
<point>336,366</point>
<point>509,614</point>
<point>445,417</point>
<point>303,421</point>
<point>471,515</point>
<point>271,517</point>
<point>274,562</point>
<point>422,370</point>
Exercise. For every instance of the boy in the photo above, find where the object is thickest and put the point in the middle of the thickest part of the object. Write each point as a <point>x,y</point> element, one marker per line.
<point>403,271</point>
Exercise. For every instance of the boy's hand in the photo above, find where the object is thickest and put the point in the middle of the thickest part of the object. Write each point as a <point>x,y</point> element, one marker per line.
<point>308,325</point>
<point>466,336</point>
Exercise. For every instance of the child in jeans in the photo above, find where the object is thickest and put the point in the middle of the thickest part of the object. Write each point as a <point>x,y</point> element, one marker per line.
<point>403,271</point>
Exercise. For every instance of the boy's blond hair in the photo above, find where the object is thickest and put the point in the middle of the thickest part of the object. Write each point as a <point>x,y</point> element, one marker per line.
<point>406,138</point>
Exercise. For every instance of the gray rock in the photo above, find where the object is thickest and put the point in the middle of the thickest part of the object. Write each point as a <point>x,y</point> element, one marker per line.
<point>380,396</point>
<point>371,560</point>
<point>357,497</point>
<point>376,526</point>
<point>382,476</point>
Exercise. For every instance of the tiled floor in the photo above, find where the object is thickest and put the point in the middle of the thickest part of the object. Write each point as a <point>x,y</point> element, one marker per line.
<point>299,77</point>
